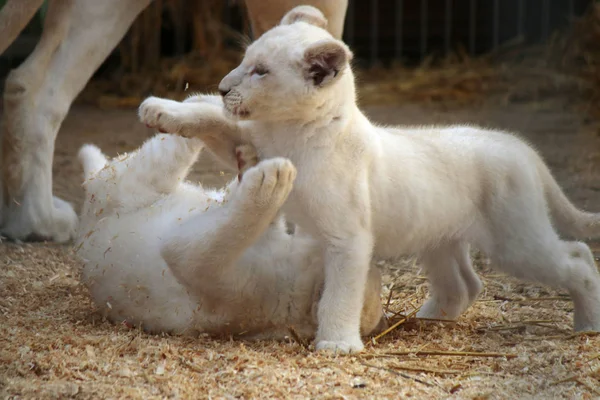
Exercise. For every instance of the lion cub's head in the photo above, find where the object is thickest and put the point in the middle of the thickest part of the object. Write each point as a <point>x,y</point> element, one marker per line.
<point>294,71</point>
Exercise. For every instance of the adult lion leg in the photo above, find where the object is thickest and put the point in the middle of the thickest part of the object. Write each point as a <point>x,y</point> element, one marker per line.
<point>77,37</point>
<point>265,14</point>
<point>15,14</point>
<point>201,251</point>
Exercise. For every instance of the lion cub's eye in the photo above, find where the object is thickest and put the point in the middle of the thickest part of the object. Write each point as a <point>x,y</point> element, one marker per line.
<point>260,70</point>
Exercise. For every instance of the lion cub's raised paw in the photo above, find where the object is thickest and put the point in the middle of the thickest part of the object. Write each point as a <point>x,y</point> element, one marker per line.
<point>215,100</point>
<point>269,183</point>
<point>161,114</point>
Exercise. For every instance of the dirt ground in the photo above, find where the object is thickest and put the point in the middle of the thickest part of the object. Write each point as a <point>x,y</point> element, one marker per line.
<point>54,345</point>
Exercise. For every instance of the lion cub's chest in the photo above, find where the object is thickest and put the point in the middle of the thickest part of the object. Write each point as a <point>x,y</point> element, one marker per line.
<point>324,164</point>
<point>302,206</point>
<point>299,207</point>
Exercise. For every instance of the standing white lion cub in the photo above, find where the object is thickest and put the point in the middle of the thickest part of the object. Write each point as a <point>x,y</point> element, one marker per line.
<point>363,188</point>
<point>173,257</point>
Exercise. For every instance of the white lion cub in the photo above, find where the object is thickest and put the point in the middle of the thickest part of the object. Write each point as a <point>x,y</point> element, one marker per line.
<point>365,189</point>
<point>173,257</point>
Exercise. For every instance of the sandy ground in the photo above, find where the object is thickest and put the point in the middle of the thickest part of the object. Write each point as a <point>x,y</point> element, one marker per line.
<point>54,345</point>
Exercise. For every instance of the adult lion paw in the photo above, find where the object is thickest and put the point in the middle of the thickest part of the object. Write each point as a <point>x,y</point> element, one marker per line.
<point>36,221</point>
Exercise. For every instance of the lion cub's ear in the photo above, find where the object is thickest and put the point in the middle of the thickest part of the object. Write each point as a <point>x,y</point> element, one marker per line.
<point>324,60</point>
<point>308,14</point>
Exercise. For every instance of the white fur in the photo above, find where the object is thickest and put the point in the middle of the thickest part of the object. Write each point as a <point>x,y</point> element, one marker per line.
<point>77,38</point>
<point>395,191</point>
<point>173,257</point>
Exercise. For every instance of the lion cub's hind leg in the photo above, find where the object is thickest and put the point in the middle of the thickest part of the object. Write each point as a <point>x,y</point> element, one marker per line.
<point>527,247</point>
<point>454,285</point>
<point>247,157</point>
<point>209,244</point>
<point>164,161</point>
<point>586,291</point>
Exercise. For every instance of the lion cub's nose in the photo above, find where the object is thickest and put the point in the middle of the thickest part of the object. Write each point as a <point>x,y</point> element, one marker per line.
<point>224,91</point>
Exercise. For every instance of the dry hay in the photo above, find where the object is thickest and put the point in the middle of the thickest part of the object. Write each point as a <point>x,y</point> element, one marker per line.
<point>468,82</point>
<point>54,346</point>
<point>567,67</point>
<point>175,79</point>
<point>579,53</point>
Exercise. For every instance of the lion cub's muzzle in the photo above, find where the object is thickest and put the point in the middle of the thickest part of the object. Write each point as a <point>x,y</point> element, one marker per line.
<point>233,103</point>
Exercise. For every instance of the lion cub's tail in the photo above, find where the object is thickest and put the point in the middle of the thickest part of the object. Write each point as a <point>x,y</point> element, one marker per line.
<point>91,159</point>
<point>568,218</point>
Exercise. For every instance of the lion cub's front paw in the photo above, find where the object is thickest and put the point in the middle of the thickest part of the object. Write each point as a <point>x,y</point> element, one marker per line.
<point>270,182</point>
<point>340,346</point>
<point>338,341</point>
<point>215,100</point>
<point>161,114</point>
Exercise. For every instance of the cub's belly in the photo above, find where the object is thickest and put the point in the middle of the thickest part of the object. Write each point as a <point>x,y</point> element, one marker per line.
<point>404,227</point>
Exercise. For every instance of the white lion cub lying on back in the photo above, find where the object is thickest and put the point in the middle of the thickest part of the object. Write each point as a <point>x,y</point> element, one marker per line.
<point>365,189</point>
<point>173,257</point>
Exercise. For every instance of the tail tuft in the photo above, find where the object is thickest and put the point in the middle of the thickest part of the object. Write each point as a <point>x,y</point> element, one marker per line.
<point>91,159</point>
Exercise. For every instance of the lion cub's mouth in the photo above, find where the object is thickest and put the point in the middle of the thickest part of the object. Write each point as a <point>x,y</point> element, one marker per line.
<point>238,111</point>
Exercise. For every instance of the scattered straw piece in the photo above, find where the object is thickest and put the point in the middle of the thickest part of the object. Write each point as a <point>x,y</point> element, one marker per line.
<point>426,370</point>
<point>577,376</point>
<point>441,353</point>
<point>297,337</point>
<point>396,325</point>
<point>529,299</point>
<point>400,374</point>
<point>562,337</point>
<point>519,325</point>
<point>190,365</point>
<point>587,386</point>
